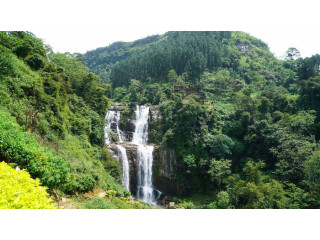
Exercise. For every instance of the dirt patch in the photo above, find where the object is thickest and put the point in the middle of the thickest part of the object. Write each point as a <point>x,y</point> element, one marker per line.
<point>66,203</point>
<point>98,192</point>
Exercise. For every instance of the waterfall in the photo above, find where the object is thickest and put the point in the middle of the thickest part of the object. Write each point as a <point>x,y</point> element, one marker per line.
<point>140,135</point>
<point>144,155</point>
<point>113,118</point>
<point>112,123</point>
<point>145,190</point>
<point>122,157</point>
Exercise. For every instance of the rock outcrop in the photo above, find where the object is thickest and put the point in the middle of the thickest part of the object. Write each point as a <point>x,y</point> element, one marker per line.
<point>164,162</point>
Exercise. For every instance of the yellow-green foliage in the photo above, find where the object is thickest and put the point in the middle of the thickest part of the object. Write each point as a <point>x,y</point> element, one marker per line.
<point>19,191</point>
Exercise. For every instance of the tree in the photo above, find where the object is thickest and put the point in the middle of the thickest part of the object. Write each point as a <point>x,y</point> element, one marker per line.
<point>219,145</point>
<point>119,93</point>
<point>260,137</point>
<point>291,152</point>
<point>135,90</point>
<point>310,93</point>
<point>190,163</point>
<point>153,93</point>
<point>292,54</point>
<point>265,105</point>
<point>172,76</point>
<point>312,170</point>
<point>309,67</point>
<point>254,189</point>
<point>219,170</point>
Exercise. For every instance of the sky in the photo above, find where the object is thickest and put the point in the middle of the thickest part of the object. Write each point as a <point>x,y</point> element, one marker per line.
<point>79,26</point>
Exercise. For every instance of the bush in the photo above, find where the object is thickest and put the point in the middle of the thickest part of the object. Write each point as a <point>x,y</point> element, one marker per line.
<point>99,203</point>
<point>35,61</point>
<point>18,190</point>
<point>186,205</point>
<point>223,200</point>
<point>21,148</point>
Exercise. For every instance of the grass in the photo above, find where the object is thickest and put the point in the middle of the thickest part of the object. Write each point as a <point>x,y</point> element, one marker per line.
<point>195,201</point>
<point>109,202</point>
<point>225,106</point>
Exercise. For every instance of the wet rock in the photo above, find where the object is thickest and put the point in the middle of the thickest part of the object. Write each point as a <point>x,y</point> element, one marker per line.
<point>118,107</point>
<point>165,201</point>
<point>171,205</point>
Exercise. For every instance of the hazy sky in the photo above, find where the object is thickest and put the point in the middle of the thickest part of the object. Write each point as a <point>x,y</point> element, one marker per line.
<point>79,26</point>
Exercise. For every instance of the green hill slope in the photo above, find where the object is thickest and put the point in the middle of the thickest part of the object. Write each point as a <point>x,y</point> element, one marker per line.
<point>243,124</point>
<point>52,117</point>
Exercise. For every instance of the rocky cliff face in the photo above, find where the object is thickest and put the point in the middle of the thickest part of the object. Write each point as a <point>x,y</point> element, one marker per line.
<point>164,162</point>
<point>163,158</point>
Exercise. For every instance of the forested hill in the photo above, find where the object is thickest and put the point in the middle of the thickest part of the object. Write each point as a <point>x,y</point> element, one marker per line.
<point>244,125</point>
<point>150,59</point>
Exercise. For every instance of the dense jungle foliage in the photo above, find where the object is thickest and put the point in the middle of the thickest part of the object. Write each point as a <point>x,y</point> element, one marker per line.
<point>52,113</point>
<point>244,124</point>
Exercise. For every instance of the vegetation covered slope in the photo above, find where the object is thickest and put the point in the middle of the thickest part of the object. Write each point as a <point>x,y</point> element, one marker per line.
<point>52,117</point>
<point>244,125</point>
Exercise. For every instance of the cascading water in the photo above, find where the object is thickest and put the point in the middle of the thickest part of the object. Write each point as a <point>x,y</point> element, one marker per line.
<point>145,155</point>
<point>113,117</point>
<point>140,135</point>
<point>122,157</point>
<point>145,190</point>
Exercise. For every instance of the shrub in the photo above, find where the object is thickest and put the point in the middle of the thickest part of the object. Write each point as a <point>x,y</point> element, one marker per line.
<point>223,200</point>
<point>18,190</point>
<point>21,148</point>
<point>35,61</point>
<point>99,203</point>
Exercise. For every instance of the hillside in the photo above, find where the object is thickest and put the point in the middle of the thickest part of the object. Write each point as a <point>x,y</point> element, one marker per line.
<point>150,59</point>
<point>244,125</point>
<point>52,120</point>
